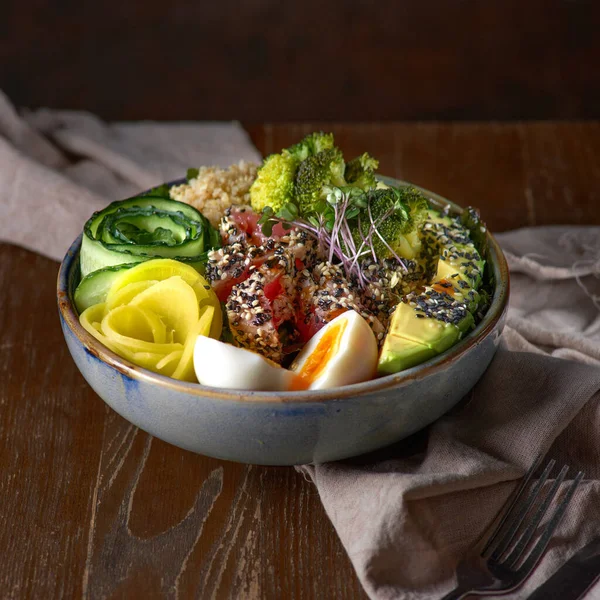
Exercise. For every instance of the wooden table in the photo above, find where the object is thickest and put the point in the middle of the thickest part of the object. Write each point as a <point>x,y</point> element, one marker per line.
<point>91,506</point>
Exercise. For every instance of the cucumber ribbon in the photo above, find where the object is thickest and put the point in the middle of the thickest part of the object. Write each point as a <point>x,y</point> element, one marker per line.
<point>144,227</point>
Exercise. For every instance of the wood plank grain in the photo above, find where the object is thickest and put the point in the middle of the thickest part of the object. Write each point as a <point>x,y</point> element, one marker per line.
<point>50,438</point>
<point>169,524</point>
<point>92,507</point>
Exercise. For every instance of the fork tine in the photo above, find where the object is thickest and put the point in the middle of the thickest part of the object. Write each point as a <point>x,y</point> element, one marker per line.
<point>515,521</point>
<point>515,499</point>
<point>515,555</point>
<point>538,549</point>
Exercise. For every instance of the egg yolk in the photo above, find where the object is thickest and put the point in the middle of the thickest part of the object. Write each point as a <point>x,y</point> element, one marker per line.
<point>319,358</point>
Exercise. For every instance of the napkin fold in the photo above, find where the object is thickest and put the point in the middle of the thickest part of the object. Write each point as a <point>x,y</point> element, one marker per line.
<point>407,513</point>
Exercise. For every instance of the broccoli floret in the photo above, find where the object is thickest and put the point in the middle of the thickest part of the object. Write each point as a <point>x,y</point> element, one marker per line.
<point>312,144</point>
<point>274,183</point>
<point>398,214</point>
<point>360,172</point>
<point>325,168</point>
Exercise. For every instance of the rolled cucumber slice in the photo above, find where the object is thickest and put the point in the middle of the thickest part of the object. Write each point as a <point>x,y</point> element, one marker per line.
<point>144,227</point>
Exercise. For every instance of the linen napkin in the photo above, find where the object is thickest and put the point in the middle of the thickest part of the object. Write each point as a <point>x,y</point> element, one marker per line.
<point>405,514</point>
<point>57,167</point>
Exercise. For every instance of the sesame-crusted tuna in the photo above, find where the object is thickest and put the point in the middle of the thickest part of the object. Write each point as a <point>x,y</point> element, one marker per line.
<point>323,293</point>
<point>254,317</point>
<point>280,291</point>
<point>230,265</point>
<point>259,289</point>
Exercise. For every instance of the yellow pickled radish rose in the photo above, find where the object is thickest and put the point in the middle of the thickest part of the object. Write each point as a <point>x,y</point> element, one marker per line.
<point>185,368</point>
<point>133,329</point>
<point>128,293</point>
<point>156,269</point>
<point>170,361</point>
<point>153,314</point>
<point>216,325</point>
<point>91,319</point>
<point>176,304</point>
<point>158,363</point>
<point>134,322</point>
<point>159,269</point>
<point>137,334</point>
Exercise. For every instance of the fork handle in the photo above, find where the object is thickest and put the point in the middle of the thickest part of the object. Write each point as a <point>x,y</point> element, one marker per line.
<point>456,594</point>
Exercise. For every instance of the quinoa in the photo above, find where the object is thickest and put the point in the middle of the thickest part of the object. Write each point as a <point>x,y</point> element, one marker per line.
<point>214,190</point>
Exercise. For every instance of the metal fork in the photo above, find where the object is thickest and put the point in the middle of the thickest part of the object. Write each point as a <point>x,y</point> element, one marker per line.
<point>499,564</point>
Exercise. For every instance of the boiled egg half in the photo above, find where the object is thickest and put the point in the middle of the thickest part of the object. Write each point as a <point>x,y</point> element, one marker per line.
<point>218,364</point>
<point>345,351</point>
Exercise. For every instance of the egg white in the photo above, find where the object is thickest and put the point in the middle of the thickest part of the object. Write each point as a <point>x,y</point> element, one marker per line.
<point>355,357</point>
<point>218,364</point>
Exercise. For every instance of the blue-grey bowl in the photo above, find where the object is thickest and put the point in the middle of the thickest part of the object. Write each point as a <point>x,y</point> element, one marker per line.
<point>273,428</point>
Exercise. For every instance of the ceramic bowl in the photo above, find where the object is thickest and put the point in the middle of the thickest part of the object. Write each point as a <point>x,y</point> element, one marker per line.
<point>273,428</point>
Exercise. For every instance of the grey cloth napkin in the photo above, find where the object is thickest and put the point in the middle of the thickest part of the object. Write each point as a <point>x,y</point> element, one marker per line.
<point>57,167</point>
<point>406,514</point>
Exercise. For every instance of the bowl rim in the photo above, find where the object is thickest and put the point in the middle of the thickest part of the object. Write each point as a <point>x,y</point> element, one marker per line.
<point>440,362</point>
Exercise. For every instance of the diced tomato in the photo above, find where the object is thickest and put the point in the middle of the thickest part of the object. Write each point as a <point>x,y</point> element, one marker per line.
<point>273,289</point>
<point>247,221</point>
<point>299,265</point>
<point>307,326</point>
<point>223,288</point>
<point>275,295</point>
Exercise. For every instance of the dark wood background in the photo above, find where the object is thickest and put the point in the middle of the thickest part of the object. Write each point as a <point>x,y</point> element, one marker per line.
<point>352,60</point>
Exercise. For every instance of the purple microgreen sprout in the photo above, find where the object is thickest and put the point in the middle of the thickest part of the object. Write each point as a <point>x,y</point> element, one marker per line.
<point>330,226</point>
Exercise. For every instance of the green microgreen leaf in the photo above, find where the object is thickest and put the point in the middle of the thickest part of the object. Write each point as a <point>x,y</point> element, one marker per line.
<point>320,207</point>
<point>288,211</point>
<point>192,173</point>
<point>266,214</point>
<point>266,221</point>
<point>333,195</point>
<point>267,227</point>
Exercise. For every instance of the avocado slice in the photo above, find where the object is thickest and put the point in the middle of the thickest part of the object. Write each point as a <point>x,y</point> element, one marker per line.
<point>413,323</point>
<point>462,259</point>
<point>428,324</point>
<point>402,354</point>
<point>449,239</point>
<point>419,331</point>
